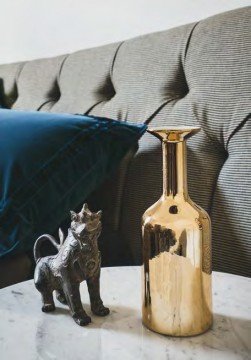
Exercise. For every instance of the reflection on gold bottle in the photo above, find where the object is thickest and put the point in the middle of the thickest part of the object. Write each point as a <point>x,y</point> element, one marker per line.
<point>176,272</point>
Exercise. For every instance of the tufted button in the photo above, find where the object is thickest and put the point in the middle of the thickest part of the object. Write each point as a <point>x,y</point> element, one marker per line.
<point>147,73</point>
<point>85,79</point>
<point>9,74</point>
<point>37,83</point>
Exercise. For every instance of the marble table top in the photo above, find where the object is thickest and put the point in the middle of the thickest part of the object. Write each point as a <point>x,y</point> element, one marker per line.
<point>28,334</point>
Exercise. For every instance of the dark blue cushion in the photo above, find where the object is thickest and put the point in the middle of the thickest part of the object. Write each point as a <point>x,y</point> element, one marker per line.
<point>49,164</point>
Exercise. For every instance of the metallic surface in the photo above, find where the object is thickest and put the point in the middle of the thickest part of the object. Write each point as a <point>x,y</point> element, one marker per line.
<point>176,272</point>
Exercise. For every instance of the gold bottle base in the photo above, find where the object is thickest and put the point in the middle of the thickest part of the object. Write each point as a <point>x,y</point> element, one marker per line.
<point>179,302</point>
<point>182,335</point>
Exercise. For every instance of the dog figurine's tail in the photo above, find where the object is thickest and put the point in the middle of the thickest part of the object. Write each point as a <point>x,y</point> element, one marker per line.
<point>42,239</point>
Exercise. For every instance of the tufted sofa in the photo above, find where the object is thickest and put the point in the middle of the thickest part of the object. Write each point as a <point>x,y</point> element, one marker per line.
<point>196,74</point>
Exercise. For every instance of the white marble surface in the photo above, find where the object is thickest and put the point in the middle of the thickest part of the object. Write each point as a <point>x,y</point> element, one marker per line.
<point>28,334</point>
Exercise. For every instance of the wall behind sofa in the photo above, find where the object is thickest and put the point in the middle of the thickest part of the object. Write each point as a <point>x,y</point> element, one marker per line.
<point>40,28</point>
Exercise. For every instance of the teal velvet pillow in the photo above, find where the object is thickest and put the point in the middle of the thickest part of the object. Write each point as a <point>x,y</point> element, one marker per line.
<point>49,164</point>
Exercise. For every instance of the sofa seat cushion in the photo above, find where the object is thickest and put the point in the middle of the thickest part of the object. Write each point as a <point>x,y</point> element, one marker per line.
<point>49,164</point>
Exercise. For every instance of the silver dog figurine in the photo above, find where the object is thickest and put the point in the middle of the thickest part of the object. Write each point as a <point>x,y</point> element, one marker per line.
<point>78,259</point>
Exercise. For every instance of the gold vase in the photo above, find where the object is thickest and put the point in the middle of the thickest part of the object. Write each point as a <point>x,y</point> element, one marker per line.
<point>176,271</point>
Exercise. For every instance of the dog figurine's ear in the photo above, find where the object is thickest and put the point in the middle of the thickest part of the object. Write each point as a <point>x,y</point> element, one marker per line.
<point>84,208</point>
<point>74,216</point>
<point>99,214</point>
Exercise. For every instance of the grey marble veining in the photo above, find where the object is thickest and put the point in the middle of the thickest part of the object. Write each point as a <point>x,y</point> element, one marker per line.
<point>28,334</point>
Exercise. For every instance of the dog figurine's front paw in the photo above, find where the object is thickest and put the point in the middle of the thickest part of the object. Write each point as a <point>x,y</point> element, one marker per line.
<point>82,320</point>
<point>48,307</point>
<point>100,309</point>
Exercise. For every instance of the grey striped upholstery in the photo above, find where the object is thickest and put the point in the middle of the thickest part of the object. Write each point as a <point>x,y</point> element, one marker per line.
<point>194,74</point>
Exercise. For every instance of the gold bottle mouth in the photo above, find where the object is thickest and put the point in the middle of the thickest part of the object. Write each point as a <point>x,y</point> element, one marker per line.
<point>173,133</point>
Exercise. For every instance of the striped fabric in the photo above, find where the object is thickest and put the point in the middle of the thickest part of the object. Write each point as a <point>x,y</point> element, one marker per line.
<point>196,74</point>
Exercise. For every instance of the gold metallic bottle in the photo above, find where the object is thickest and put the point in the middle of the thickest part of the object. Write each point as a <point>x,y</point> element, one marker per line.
<point>176,271</point>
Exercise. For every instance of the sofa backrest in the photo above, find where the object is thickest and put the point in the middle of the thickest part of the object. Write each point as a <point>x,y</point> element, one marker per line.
<point>196,74</point>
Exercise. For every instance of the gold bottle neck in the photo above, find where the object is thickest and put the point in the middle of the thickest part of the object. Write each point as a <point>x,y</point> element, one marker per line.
<point>174,170</point>
<point>174,158</point>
